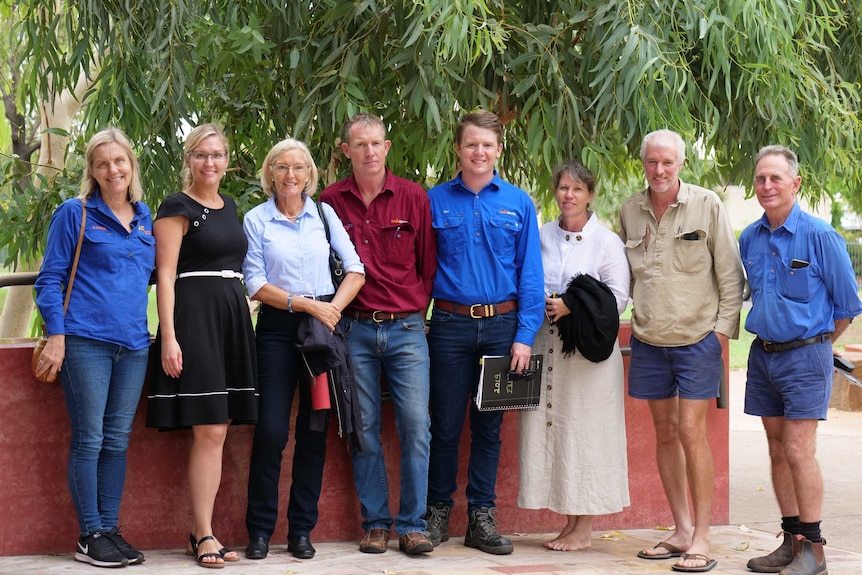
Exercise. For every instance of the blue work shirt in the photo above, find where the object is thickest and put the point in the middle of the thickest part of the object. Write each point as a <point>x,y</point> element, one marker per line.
<point>797,300</point>
<point>488,249</point>
<point>294,256</point>
<point>109,297</point>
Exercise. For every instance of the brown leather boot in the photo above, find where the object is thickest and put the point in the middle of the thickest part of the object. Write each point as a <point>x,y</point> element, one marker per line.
<point>778,559</point>
<point>809,559</point>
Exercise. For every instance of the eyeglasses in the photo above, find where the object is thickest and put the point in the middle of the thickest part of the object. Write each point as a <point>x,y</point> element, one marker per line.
<point>201,157</point>
<point>525,374</point>
<point>282,169</point>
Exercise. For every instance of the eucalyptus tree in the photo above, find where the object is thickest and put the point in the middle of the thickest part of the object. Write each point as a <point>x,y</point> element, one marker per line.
<point>583,79</point>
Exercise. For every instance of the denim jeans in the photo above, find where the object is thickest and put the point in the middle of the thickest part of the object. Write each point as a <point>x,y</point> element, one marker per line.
<point>456,343</point>
<point>279,366</point>
<point>102,385</point>
<point>400,350</point>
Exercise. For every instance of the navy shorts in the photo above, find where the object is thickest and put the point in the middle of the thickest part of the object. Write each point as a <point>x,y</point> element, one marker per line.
<point>794,384</point>
<point>689,371</point>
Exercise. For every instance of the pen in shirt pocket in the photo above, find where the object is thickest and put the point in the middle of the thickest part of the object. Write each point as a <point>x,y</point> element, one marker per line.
<point>398,228</point>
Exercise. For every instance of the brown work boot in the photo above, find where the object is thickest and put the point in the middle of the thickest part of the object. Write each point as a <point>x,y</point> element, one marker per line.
<point>375,541</point>
<point>778,559</point>
<point>809,559</point>
<point>414,543</point>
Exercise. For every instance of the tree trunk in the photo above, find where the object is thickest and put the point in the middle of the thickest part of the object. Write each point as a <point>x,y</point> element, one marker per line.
<point>18,309</point>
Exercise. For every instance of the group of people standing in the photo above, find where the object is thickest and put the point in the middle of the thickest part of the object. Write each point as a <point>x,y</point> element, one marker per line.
<point>499,286</point>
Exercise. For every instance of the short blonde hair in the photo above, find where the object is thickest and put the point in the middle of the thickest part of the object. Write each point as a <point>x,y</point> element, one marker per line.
<point>88,180</point>
<point>266,181</point>
<point>193,140</point>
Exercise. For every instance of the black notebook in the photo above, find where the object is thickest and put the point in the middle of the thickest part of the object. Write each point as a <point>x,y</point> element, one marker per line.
<point>497,390</point>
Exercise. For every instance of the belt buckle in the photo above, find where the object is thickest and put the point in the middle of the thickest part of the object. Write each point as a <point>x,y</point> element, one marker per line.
<point>488,309</point>
<point>227,274</point>
<point>767,345</point>
<point>374,317</point>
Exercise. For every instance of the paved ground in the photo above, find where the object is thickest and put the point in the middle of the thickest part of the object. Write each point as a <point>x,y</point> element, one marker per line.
<point>753,513</point>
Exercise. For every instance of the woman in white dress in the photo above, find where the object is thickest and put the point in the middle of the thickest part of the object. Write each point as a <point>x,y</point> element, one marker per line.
<point>573,448</point>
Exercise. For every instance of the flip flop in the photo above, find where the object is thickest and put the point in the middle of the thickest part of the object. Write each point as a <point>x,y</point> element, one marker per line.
<point>672,551</point>
<point>710,563</point>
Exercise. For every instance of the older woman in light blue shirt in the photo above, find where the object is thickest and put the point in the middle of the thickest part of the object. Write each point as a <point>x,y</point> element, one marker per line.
<point>286,268</point>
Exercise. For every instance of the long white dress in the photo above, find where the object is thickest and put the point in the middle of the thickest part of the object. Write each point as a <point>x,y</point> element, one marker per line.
<point>573,448</point>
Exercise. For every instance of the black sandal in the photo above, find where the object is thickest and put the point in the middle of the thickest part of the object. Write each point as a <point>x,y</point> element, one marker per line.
<point>200,558</point>
<point>194,550</point>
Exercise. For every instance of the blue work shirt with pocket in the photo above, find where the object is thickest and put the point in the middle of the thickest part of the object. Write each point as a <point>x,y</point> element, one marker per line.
<point>109,296</point>
<point>488,249</point>
<point>800,275</point>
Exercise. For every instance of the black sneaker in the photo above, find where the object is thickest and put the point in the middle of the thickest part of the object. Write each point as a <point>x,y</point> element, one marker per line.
<point>97,549</point>
<point>482,533</point>
<point>437,523</point>
<point>133,555</point>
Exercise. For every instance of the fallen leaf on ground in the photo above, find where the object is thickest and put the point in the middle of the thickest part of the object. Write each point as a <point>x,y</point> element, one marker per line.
<point>613,536</point>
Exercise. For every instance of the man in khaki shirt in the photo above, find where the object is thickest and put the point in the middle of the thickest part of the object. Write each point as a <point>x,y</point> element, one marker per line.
<point>687,284</point>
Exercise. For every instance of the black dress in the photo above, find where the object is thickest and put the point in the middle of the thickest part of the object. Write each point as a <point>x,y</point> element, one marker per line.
<point>213,326</point>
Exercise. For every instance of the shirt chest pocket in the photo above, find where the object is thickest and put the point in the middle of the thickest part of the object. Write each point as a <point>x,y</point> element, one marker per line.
<point>795,283</point>
<point>451,234</point>
<point>691,252</point>
<point>636,254</point>
<point>103,249</point>
<point>396,245</point>
<point>503,230</point>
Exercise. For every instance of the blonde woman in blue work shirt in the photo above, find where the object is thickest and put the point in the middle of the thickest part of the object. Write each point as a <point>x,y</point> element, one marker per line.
<point>286,268</point>
<point>100,346</point>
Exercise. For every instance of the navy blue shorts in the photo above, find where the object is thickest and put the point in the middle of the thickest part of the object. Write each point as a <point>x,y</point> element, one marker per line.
<point>794,384</point>
<point>689,371</point>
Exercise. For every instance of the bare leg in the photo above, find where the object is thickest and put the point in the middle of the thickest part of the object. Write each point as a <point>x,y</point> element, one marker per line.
<point>671,459</point>
<point>579,537</point>
<point>700,471</point>
<point>800,446</point>
<point>205,465</point>
<point>782,478</point>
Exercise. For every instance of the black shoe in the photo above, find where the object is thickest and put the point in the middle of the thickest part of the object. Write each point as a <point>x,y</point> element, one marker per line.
<point>258,548</point>
<point>437,523</point>
<point>133,555</point>
<point>301,547</point>
<point>97,549</point>
<point>482,533</point>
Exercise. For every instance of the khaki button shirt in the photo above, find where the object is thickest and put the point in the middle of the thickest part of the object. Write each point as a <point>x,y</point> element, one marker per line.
<point>687,278</point>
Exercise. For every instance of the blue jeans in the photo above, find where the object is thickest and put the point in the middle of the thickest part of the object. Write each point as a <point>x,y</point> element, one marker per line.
<point>102,385</point>
<point>400,349</point>
<point>279,366</point>
<point>456,342</point>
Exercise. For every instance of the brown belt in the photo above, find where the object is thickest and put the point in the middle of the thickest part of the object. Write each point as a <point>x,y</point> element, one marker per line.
<point>377,316</point>
<point>477,310</point>
<point>772,346</point>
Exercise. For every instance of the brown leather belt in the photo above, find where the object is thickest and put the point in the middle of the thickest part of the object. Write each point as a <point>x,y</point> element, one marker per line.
<point>377,316</point>
<point>477,310</point>
<point>772,346</point>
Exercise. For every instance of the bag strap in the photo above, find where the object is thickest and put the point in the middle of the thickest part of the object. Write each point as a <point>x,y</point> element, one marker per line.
<point>77,254</point>
<point>325,223</point>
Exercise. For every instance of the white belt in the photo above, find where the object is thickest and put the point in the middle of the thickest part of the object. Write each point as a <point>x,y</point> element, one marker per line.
<point>227,274</point>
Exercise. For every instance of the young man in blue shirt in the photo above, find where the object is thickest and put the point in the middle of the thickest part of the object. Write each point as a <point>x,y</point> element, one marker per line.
<point>804,295</point>
<point>488,300</point>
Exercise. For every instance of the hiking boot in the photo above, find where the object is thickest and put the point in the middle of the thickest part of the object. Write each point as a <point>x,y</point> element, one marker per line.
<point>437,523</point>
<point>778,559</point>
<point>98,549</point>
<point>482,533</point>
<point>414,543</point>
<point>809,559</point>
<point>133,555</point>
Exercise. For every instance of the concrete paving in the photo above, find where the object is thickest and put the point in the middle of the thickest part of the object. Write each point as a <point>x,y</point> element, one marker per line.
<point>754,519</point>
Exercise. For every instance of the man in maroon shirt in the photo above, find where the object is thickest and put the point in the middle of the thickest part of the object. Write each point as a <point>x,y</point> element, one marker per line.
<point>389,220</point>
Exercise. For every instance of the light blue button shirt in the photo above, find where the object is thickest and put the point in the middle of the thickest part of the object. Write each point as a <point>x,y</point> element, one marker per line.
<point>294,256</point>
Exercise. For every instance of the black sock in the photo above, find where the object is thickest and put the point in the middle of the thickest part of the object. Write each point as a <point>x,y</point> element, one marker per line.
<point>791,525</point>
<point>811,531</point>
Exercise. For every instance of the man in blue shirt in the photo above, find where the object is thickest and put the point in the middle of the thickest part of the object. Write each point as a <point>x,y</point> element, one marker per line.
<point>488,300</point>
<point>804,296</point>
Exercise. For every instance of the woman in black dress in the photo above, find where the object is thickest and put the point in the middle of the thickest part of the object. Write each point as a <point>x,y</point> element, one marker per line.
<point>207,376</point>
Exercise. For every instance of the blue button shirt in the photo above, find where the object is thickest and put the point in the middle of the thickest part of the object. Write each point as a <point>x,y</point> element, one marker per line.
<point>294,256</point>
<point>109,297</point>
<point>797,300</point>
<point>488,249</point>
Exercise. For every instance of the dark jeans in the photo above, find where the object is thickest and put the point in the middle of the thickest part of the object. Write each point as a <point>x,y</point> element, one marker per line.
<point>279,368</point>
<point>456,342</point>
